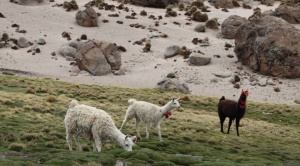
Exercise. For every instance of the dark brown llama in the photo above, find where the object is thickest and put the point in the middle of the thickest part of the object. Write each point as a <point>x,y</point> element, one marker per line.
<point>233,110</point>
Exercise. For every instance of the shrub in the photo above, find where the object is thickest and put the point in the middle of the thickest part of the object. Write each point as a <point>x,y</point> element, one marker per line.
<point>203,17</point>
<point>193,9</point>
<point>51,99</point>
<point>143,13</point>
<point>30,90</point>
<point>17,146</point>
<point>196,16</point>
<point>181,7</point>
<point>169,8</point>
<point>197,3</point>
<point>212,24</point>
<point>172,13</point>
<point>236,3</point>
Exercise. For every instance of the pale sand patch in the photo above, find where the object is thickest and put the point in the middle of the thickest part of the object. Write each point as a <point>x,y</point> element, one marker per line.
<point>49,22</point>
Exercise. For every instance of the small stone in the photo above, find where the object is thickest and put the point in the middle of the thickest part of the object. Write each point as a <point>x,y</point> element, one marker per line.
<point>276,89</point>
<point>41,41</point>
<point>262,82</point>
<point>230,56</point>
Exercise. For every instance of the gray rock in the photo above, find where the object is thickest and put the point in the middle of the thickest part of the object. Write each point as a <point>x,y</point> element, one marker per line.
<point>171,51</point>
<point>214,80</point>
<point>262,82</point>
<point>196,59</point>
<point>67,51</point>
<point>87,17</point>
<point>223,74</point>
<point>75,44</point>
<point>41,41</point>
<point>200,28</point>
<point>23,43</point>
<point>253,83</point>
<point>173,84</point>
<point>297,101</point>
<point>253,78</point>
<point>271,82</point>
<point>230,25</point>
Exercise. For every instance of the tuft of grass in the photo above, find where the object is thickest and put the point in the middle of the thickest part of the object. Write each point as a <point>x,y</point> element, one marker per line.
<point>181,7</point>
<point>196,16</point>
<point>51,99</point>
<point>17,147</point>
<point>30,90</point>
<point>8,73</point>
<point>203,17</point>
<point>193,9</point>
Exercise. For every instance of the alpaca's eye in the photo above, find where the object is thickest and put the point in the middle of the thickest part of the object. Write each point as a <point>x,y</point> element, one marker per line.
<point>126,144</point>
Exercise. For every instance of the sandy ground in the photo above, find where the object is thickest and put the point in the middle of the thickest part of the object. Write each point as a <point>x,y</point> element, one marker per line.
<point>45,21</point>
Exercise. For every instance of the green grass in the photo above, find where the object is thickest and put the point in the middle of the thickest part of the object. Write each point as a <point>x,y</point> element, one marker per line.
<point>32,129</point>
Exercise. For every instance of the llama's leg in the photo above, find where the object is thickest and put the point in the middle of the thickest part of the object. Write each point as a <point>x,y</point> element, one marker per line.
<point>237,126</point>
<point>159,134</point>
<point>222,119</point>
<point>137,127</point>
<point>229,125</point>
<point>147,130</point>
<point>69,140</point>
<point>77,141</point>
<point>94,146</point>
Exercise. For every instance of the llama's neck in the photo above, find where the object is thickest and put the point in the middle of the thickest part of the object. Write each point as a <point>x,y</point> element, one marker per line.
<point>117,136</point>
<point>242,103</point>
<point>167,108</point>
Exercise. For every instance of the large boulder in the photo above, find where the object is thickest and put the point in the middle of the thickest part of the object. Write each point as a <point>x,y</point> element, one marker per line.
<point>98,58</point>
<point>269,45</point>
<point>154,3</point>
<point>288,12</point>
<point>87,17</point>
<point>230,25</point>
<point>172,83</point>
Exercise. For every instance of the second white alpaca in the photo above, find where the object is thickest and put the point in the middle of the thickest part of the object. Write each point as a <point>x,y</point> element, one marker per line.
<point>149,113</point>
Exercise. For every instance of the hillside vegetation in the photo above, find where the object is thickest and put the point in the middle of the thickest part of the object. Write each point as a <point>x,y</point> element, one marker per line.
<point>32,129</point>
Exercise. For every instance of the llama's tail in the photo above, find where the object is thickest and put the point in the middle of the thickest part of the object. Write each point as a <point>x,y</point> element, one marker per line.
<point>131,101</point>
<point>73,103</point>
<point>222,98</point>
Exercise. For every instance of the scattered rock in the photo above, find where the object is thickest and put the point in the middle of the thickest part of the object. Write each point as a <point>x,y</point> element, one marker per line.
<point>154,3</point>
<point>223,3</point>
<point>297,101</point>
<point>230,56</point>
<point>23,43</point>
<point>237,86</point>
<point>41,41</point>
<point>223,74</point>
<point>2,16</point>
<point>262,82</point>
<point>276,89</point>
<point>196,59</point>
<point>67,51</point>
<point>171,51</point>
<point>83,37</point>
<point>214,80</point>
<point>200,28</point>
<point>253,83</point>
<point>75,44</point>
<point>173,84</point>
<point>172,75</point>
<point>66,35</point>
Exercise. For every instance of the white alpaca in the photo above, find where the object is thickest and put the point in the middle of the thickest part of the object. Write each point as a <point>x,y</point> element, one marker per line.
<point>148,113</point>
<point>96,124</point>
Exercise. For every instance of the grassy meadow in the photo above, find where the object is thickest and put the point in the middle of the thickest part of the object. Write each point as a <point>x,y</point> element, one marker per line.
<point>32,130</point>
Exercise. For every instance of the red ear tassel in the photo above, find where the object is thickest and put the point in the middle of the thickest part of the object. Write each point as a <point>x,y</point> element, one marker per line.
<point>245,92</point>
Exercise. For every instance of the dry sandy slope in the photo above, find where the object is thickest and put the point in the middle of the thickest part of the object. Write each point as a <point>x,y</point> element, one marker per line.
<point>48,22</point>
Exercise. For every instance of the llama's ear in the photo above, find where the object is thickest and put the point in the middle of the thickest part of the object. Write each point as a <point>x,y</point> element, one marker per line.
<point>174,98</point>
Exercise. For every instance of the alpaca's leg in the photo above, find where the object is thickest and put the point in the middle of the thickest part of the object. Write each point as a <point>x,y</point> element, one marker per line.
<point>237,126</point>
<point>124,122</point>
<point>159,134</point>
<point>147,130</point>
<point>77,141</point>
<point>222,119</point>
<point>137,127</point>
<point>97,142</point>
<point>69,140</point>
<point>94,146</point>
<point>229,125</point>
